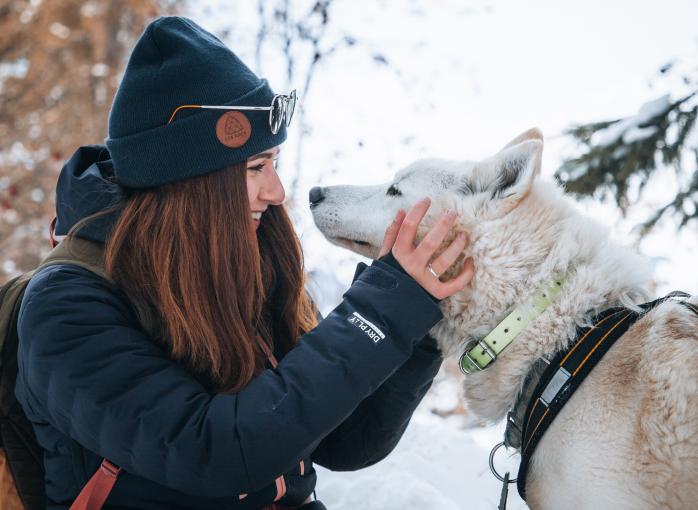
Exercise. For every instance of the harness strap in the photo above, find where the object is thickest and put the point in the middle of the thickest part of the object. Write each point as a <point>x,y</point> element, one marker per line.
<point>562,378</point>
<point>567,371</point>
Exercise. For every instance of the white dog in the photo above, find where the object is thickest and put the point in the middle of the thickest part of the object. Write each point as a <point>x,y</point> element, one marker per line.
<point>628,438</point>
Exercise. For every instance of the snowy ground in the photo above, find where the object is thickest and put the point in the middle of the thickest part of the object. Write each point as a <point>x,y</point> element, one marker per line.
<point>440,464</point>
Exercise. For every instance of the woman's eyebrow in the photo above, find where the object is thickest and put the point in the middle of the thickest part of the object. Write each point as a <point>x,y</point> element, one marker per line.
<point>268,154</point>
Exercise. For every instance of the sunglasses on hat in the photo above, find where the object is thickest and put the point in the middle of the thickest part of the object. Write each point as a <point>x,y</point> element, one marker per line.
<point>282,107</point>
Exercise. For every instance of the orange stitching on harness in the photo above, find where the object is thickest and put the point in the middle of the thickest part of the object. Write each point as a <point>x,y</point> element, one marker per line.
<point>538,425</point>
<point>599,342</point>
<point>571,351</point>
<point>535,404</point>
<point>587,334</point>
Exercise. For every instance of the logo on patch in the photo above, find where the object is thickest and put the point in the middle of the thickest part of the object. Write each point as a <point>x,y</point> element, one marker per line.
<point>233,129</point>
<point>366,326</point>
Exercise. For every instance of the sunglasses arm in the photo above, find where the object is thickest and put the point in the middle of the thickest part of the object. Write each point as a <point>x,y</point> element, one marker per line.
<point>254,108</point>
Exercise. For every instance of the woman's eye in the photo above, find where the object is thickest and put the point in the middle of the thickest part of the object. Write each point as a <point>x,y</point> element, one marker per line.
<point>256,168</point>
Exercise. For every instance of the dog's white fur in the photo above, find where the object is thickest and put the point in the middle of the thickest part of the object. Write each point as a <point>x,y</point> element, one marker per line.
<point>628,439</point>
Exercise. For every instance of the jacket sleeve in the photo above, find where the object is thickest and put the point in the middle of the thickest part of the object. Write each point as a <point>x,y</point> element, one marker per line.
<point>373,430</point>
<point>88,370</point>
<point>375,427</point>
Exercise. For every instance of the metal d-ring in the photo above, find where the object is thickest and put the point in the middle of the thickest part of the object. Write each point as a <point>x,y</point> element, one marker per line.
<point>494,471</point>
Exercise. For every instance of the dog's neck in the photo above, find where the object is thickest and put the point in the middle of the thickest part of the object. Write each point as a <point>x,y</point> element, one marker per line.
<point>547,235</point>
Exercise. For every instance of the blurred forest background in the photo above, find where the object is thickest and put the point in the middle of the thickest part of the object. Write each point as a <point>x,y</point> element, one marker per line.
<point>61,60</point>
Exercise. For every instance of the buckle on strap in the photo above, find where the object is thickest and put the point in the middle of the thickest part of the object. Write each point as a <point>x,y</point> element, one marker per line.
<point>468,364</point>
<point>110,469</point>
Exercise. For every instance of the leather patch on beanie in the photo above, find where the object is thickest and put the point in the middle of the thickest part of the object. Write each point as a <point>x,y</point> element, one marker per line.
<point>233,129</point>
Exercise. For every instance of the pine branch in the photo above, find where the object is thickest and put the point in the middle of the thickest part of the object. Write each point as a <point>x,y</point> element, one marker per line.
<point>622,154</point>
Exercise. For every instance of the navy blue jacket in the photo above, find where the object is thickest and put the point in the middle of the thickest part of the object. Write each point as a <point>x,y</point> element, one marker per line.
<point>94,385</point>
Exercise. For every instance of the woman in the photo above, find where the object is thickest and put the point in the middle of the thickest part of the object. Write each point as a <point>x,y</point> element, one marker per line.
<point>188,208</point>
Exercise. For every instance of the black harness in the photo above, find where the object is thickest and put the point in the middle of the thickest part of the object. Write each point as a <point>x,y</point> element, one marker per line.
<point>550,385</point>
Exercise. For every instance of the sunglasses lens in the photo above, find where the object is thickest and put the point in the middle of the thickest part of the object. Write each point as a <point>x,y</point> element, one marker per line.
<point>291,106</point>
<point>276,115</point>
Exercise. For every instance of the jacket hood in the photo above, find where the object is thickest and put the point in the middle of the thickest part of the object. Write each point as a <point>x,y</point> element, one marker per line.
<point>85,186</point>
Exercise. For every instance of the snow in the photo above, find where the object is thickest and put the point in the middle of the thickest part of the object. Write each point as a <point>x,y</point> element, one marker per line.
<point>325,289</point>
<point>18,154</point>
<point>438,465</point>
<point>631,129</point>
<point>574,173</point>
<point>15,69</point>
<point>636,134</point>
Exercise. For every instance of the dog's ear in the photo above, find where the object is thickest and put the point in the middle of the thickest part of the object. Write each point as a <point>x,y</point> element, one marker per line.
<point>511,172</point>
<point>531,134</point>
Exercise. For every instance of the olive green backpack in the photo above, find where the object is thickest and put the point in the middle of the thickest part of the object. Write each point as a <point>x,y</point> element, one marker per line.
<point>21,457</point>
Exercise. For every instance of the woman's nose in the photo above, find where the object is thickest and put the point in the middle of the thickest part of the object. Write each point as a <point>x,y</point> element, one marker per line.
<point>273,191</point>
<point>316,196</point>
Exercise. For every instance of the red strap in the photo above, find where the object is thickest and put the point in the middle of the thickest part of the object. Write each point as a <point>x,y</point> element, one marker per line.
<point>268,352</point>
<point>50,232</point>
<point>95,493</point>
<point>280,488</point>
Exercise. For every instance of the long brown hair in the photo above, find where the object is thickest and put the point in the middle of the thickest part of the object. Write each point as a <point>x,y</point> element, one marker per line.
<point>187,250</point>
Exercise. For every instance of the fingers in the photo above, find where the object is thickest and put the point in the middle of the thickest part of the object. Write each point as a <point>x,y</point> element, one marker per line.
<point>450,287</point>
<point>450,254</point>
<point>404,243</point>
<point>400,237</point>
<point>433,239</point>
<point>391,233</point>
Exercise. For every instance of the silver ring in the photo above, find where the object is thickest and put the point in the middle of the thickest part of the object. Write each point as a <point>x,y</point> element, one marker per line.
<point>431,270</point>
<point>494,471</point>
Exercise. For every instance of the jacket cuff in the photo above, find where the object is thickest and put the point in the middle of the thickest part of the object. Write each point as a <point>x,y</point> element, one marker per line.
<point>411,315</point>
<point>360,267</point>
<point>390,260</point>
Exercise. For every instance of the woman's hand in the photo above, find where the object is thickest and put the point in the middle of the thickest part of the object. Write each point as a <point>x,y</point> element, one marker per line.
<point>400,236</point>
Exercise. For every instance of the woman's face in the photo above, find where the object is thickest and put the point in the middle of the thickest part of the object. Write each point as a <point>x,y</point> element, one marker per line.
<point>263,185</point>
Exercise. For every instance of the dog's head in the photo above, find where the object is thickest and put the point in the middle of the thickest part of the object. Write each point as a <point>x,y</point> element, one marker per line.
<point>356,217</point>
<point>522,230</point>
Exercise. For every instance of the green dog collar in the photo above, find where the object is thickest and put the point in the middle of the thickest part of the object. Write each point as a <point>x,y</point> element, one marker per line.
<point>479,354</point>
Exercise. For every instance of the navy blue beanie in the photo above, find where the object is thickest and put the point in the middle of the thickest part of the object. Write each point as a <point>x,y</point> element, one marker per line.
<point>176,62</point>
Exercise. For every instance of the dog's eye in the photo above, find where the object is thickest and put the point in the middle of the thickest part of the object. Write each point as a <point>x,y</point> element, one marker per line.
<point>393,191</point>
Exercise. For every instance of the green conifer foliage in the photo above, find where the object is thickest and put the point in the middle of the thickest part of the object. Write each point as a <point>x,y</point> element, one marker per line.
<point>618,157</point>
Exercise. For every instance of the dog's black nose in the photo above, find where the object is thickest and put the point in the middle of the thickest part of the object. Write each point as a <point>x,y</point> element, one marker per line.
<point>316,196</point>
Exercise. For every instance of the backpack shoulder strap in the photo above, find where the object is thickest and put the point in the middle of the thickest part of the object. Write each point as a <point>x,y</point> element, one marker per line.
<point>80,252</point>
<point>23,455</point>
<point>90,255</point>
<point>10,293</point>
<point>75,251</point>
